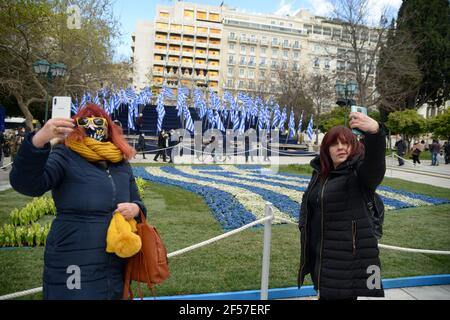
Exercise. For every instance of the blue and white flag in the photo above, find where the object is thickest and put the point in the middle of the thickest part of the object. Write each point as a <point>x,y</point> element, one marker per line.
<point>219,123</point>
<point>189,124</point>
<point>130,95</point>
<point>96,100</point>
<point>161,112</point>
<point>282,120</point>
<point>310,129</point>
<point>299,130</point>
<point>276,117</point>
<point>291,126</point>
<point>74,106</point>
<point>167,93</point>
<point>183,93</point>
<point>131,116</point>
<point>242,123</point>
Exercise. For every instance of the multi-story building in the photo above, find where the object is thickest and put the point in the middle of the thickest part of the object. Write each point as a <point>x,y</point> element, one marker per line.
<point>221,48</point>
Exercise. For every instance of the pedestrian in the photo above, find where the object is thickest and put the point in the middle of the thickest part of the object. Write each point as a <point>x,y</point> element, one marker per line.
<point>400,145</point>
<point>416,149</point>
<point>2,144</point>
<point>337,242</point>
<point>90,179</point>
<point>141,144</point>
<point>435,148</point>
<point>162,145</point>
<point>447,152</point>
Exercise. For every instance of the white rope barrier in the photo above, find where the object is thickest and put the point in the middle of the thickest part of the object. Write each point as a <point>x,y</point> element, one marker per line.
<point>170,255</point>
<point>222,236</point>
<point>6,166</point>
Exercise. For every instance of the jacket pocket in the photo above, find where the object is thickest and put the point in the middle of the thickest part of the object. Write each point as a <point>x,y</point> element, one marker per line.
<point>354,236</point>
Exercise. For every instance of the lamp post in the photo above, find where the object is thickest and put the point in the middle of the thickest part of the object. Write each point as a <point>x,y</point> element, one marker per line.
<point>344,91</point>
<point>50,71</point>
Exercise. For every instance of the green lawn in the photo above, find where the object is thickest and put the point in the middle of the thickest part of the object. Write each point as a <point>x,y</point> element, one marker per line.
<point>233,264</point>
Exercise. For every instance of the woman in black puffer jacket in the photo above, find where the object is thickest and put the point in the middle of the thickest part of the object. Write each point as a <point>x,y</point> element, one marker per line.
<point>338,247</point>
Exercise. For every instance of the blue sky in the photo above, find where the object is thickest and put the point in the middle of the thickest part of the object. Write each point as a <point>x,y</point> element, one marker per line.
<point>130,11</point>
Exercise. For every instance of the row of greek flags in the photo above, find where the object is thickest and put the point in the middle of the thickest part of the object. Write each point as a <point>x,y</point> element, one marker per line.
<point>240,111</point>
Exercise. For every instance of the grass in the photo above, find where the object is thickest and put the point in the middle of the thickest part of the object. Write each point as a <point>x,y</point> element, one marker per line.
<point>234,264</point>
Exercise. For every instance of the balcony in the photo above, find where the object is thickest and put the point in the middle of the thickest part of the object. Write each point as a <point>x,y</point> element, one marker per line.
<point>187,64</point>
<point>174,53</point>
<point>231,62</point>
<point>264,43</point>
<point>213,78</point>
<point>244,40</point>
<point>213,67</point>
<point>158,73</point>
<point>296,47</point>
<point>232,39</point>
<point>199,77</point>
<point>286,45</point>
<point>159,62</point>
<point>263,66</point>
<point>202,45</point>
<point>252,65</point>
<point>253,40</point>
<point>201,55</point>
<point>175,41</point>
<point>161,39</point>
<point>187,53</point>
<point>214,46</point>
<point>275,44</point>
<point>186,76</point>
<point>161,51</point>
<point>173,63</point>
<point>242,63</point>
<point>200,65</point>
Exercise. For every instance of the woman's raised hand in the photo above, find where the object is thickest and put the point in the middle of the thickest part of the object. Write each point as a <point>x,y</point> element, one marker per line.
<point>362,122</point>
<point>54,128</point>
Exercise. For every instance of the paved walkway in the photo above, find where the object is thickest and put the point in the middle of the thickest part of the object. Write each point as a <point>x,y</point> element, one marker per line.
<point>409,293</point>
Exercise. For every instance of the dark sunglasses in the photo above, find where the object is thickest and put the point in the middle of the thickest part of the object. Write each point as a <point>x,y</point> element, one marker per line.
<point>98,121</point>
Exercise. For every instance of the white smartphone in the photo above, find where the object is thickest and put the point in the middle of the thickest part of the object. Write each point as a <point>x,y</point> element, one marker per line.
<point>61,107</point>
<point>361,110</point>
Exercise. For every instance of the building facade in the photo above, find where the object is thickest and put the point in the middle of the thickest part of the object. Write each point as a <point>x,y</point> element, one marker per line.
<point>224,49</point>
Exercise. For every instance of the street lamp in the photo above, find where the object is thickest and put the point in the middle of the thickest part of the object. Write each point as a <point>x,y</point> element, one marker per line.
<point>344,91</point>
<point>50,71</point>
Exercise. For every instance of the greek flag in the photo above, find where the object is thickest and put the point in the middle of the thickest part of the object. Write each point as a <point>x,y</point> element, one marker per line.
<point>130,94</point>
<point>131,117</point>
<point>310,129</point>
<point>183,92</point>
<point>266,108</point>
<point>291,125</point>
<point>96,100</point>
<point>219,123</point>
<point>261,118</point>
<point>74,106</point>
<point>283,119</point>
<point>189,123</point>
<point>84,100</point>
<point>211,118</point>
<point>167,93</point>
<point>299,130</point>
<point>116,99</point>
<point>161,112</point>
<point>199,103</point>
<point>276,117</point>
<point>242,123</point>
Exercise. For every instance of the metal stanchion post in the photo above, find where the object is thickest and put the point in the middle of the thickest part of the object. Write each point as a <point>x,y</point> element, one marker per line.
<point>268,211</point>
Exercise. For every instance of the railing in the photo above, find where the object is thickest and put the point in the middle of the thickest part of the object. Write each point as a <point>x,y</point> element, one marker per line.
<point>267,220</point>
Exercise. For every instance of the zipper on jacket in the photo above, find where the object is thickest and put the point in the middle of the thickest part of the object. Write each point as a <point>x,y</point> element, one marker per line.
<point>321,239</point>
<point>354,236</point>
<point>306,229</point>
<point>113,185</point>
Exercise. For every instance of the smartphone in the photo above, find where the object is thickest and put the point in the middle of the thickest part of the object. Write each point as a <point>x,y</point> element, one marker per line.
<point>61,107</point>
<point>361,110</point>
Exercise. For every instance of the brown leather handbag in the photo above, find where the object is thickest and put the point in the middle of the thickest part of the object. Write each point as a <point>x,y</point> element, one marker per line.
<point>150,265</point>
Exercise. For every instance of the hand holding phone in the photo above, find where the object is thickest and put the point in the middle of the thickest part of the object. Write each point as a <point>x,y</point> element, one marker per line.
<point>61,107</point>
<point>362,110</point>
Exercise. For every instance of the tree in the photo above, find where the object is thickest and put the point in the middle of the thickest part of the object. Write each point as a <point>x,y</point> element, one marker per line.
<point>440,125</point>
<point>429,25</point>
<point>334,118</point>
<point>320,91</point>
<point>32,30</point>
<point>398,75</point>
<point>363,45</point>
<point>407,123</point>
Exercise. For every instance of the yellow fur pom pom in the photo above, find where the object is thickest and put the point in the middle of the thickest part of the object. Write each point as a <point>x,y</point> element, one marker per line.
<point>121,238</point>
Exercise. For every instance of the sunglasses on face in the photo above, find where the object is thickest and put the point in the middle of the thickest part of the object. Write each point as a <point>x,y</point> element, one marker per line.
<point>98,121</point>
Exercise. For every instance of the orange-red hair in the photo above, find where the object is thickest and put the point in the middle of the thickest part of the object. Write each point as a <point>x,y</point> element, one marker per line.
<point>115,133</point>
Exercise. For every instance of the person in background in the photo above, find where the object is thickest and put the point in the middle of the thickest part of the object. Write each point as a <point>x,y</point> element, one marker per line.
<point>416,149</point>
<point>90,179</point>
<point>141,145</point>
<point>435,148</point>
<point>400,145</point>
<point>337,242</point>
<point>162,145</point>
<point>447,152</point>
<point>2,144</point>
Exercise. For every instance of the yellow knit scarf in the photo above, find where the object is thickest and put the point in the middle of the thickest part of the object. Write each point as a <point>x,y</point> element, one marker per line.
<point>93,150</point>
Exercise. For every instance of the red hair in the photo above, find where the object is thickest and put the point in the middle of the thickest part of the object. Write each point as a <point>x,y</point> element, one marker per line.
<point>345,135</point>
<point>115,133</point>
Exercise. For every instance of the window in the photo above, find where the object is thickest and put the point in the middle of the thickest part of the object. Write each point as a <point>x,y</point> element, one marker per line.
<point>263,61</point>
<point>251,85</point>
<point>242,61</point>
<point>316,49</point>
<point>285,53</point>
<point>263,51</point>
<point>316,62</point>
<point>252,61</point>
<point>296,66</point>
<point>232,35</point>
<point>273,75</point>
<point>284,65</point>
<point>274,41</point>
<point>252,51</point>
<point>214,31</point>
<point>214,16</point>
<point>251,74</point>
<point>317,30</point>
<point>230,71</point>
<point>188,13</point>
<point>231,58</point>
<point>202,30</point>
<point>296,55</point>
<point>252,38</point>
<point>274,52</point>
<point>241,72</point>
<point>230,83</point>
<point>189,29</point>
<point>327,64</point>
<point>274,63</point>
<point>241,84</point>
<point>243,49</point>
<point>163,14</point>
<point>161,25</point>
<point>296,44</point>
<point>201,15</point>
<point>231,46</point>
<point>286,43</point>
<point>262,74</point>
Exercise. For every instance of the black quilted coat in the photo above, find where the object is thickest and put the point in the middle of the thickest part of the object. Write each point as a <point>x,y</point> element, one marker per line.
<point>347,244</point>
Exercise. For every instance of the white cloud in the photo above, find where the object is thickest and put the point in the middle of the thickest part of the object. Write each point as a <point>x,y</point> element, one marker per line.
<point>285,8</point>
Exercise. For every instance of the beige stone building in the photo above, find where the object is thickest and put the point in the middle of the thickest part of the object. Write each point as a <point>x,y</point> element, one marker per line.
<point>224,49</point>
